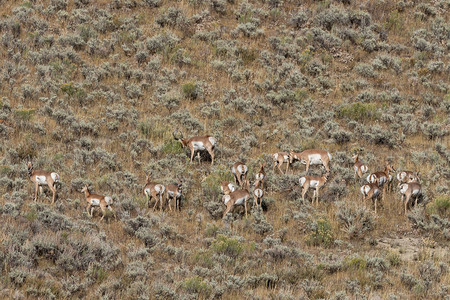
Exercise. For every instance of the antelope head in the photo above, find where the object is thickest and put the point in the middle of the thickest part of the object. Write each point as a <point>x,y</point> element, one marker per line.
<point>85,189</point>
<point>179,138</point>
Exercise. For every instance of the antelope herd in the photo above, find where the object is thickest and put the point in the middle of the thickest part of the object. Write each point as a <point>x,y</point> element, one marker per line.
<point>377,182</point>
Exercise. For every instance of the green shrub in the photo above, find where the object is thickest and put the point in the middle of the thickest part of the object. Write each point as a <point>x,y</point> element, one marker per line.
<point>321,233</point>
<point>197,285</point>
<point>24,114</point>
<point>190,90</point>
<point>172,147</point>
<point>441,206</point>
<point>355,263</point>
<point>227,246</point>
<point>358,111</point>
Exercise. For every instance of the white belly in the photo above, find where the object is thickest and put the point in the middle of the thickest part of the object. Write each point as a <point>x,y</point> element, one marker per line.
<point>212,141</point>
<point>226,199</point>
<point>173,195</point>
<point>95,202</point>
<point>198,146</point>
<point>315,159</point>
<point>108,200</point>
<point>313,183</point>
<point>415,192</point>
<point>54,176</point>
<point>302,181</point>
<point>240,201</point>
<point>41,180</point>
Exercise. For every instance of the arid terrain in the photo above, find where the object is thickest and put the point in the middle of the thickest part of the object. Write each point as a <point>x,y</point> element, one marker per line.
<point>93,91</point>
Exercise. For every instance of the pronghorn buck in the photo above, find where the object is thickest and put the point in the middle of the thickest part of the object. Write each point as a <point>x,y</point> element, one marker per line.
<point>407,176</point>
<point>198,143</point>
<point>278,159</point>
<point>311,157</point>
<point>94,200</point>
<point>410,190</point>
<point>359,167</point>
<point>260,176</point>
<point>313,182</point>
<point>238,197</point>
<point>41,178</point>
<point>258,193</point>
<point>174,191</point>
<point>153,190</point>
<point>371,191</point>
<point>227,187</point>
<point>239,171</point>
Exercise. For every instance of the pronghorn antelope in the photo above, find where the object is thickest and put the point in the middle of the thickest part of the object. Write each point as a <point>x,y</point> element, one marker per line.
<point>313,182</point>
<point>174,191</point>
<point>260,176</point>
<point>239,171</point>
<point>41,178</point>
<point>238,197</point>
<point>381,177</point>
<point>407,176</point>
<point>94,200</point>
<point>258,193</point>
<point>359,167</point>
<point>198,143</point>
<point>227,187</point>
<point>311,157</point>
<point>370,191</point>
<point>153,190</point>
<point>408,190</point>
<point>278,159</point>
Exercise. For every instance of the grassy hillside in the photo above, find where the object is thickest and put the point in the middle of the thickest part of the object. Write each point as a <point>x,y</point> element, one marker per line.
<point>94,89</point>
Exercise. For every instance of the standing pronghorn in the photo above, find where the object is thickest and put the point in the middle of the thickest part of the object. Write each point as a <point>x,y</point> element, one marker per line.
<point>227,187</point>
<point>174,191</point>
<point>359,167</point>
<point>258,193</point>
<point>198,143</point>
<point>314,182</point>
<point>94,200</point>
<point>278,159</point>
<point>370,191</point>
<point>381,177</point>
<point>238,197</point>
<point>260,176</point>
<point>410,189</point>
<point>239,171</point>
<point>311,157</point>
<point>153,190</point>
<point>41,178</point>
<point>405,176</point>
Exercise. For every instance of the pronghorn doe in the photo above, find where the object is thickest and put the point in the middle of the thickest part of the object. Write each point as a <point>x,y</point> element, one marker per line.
<point>227,187</point>
<point>260,176</point>
<point>174,191</point>
<point>371,191</point>
<point>93,200</point>
<point>238,197</point>
<point>278,159</point>
<point>410,189</point>
<point>311,157</point>
<point>239,171</point>
<point>198,143</point>
<point>359,167</point>
<point>381,177</point>
<point>41,178</point>
<point>153,190</point>
<point>258,193</point>
<point>407,176</point>
<point>314,182</point>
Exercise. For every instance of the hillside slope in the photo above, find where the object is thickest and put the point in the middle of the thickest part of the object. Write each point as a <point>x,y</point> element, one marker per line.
<point>94,89</point>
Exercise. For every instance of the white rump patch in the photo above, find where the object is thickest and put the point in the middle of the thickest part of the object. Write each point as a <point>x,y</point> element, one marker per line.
<point>198,146</point>
<point>364,169</point>
<point>159,188</point>
<point>286,157</point>
<point>41,180</point>
<point>54,176</point>
<point>212,140</point>
<point>259,176</point>
<point>231,187</point>
<point>400,176</point>
<point>242,169</point>
<point>302,181</point>
<point>403,188</point>
<point>258,193</point>
<point>108,200</point>
<point>315,159</point>
<point>365,189</point>
<point>95,202</point>
<point>275,156</point>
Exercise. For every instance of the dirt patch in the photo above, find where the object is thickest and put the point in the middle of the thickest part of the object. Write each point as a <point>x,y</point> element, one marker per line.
<point>409,248</point>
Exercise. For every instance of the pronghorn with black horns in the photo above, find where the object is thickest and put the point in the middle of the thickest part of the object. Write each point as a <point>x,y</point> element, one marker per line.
<point>94,200</point>
<point>153,190</point>
<point>174,191</point>
<point>359,167</point>
<point>311,157</point>
<point>41,178</point>
<point>260,176</point>
<point>371,191</point>
<point>278,159</point>
<point>198,143</point>
<point>239,171</point>
<point>238,197</point>
<point>313,182</point>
